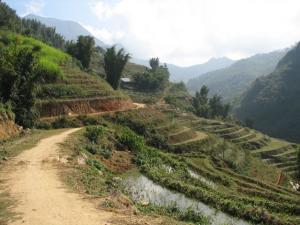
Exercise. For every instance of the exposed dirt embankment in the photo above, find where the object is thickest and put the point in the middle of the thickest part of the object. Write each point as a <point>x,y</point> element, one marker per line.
<point>8,128</point>
<point>82,106</point>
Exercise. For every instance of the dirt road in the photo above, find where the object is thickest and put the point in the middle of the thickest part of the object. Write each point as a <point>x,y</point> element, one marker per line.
<point>43,199</point>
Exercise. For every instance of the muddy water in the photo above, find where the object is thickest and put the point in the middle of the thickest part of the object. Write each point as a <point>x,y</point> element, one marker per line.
<point>142,189</point>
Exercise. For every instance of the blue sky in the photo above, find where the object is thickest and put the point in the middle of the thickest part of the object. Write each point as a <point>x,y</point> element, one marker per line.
<point>182,32</point>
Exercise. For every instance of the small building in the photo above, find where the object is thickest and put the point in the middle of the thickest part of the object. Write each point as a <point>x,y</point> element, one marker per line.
<point>127,83</point>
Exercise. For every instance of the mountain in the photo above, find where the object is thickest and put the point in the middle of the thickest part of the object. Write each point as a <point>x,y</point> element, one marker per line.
<point>179,73</point>
<point>186,73</point>
<point>232,81</point>
<point>70,30</point>
<point>273,101</point>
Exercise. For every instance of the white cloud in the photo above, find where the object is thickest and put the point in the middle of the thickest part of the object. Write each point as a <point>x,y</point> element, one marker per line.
<point>34,7</point>
<point>191,31</point>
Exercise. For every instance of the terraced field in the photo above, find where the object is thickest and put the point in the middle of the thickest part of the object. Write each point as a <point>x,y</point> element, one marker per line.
<point>203,160</point>
<point>276,152</point>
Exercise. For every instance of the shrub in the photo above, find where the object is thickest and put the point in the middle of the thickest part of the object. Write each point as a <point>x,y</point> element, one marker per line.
<point>105,152</point>
<point>64,122</point>
<point>95,163</point>
<point>93,149</point>
<point>93,133</point>
<point>131,140</point>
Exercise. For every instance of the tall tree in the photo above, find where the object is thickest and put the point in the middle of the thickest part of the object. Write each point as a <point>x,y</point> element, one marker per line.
<point>18,82</point>
<point>114,63</point>
<point>154,63</point>
<point>82,49</point>
<point>200,102</point>
<point>209,107</point>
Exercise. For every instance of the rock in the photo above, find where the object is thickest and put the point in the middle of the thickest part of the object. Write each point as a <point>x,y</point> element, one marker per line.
<point>144,202</point>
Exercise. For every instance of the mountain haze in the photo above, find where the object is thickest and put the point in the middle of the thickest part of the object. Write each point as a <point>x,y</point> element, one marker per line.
<point>70,30</point>
<point>232,81</point>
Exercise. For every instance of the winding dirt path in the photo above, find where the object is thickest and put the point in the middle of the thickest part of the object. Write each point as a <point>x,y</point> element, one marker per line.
<point>42,197</point>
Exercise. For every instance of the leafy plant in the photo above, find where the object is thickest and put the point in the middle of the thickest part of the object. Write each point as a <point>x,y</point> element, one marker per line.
<point>131,140</point>
<point>93,133</point>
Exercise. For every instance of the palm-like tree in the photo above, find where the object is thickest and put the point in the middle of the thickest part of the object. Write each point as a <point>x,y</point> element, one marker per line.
<point>114,63</point>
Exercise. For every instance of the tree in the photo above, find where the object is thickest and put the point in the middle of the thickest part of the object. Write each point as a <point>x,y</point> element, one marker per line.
<point>200,102</point>
<point>18,82</point>
<point>82,49</point>
<point>154,79</point>
<point>8,17</point>
<point>154,63</point>
<point>209,107</point>
<point>114,63</point>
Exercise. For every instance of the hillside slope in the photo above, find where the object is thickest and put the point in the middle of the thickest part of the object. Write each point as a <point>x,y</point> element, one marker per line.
<point>273,101</point>
<point>68,89</point>
<point>231,82</point>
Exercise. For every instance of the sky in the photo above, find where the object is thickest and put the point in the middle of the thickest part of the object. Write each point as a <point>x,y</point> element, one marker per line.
<point>182,32</point>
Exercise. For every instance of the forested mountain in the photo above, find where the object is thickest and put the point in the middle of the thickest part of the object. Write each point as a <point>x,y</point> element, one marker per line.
<point>273,102</point>
<point>179,73</point>
<point>70,30</point>
<point>231,82</point>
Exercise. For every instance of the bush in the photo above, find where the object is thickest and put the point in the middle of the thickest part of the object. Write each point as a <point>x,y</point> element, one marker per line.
<point>93,133</point>
<point>93,149</point>
<point>131,140</point>
<point>96,164</point>
<point>6,111</point>
<point>64,122</point>
<point>105,152</point>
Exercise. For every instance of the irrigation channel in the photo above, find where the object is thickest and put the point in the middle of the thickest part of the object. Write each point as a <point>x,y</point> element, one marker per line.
<point>142,189</point>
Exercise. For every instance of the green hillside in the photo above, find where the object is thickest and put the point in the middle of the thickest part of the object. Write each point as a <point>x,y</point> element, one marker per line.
<point>232,81</point>
<point>273,101</point>
<point>63,84</point>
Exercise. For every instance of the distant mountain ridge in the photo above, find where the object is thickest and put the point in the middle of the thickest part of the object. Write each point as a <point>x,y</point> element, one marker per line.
<point>179,73</point>
<point>233,81</point>
<point>70,30</point>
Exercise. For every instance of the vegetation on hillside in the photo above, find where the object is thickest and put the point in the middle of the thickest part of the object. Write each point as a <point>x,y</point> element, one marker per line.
<point>156,78</point>
<point>82,49</point>
<point>272,103</point>
<point>10,21</point>
<point>209,107</point>
<point>19,77</point>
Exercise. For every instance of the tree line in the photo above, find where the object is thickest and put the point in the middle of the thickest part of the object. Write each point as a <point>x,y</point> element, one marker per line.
<point>11,21</point>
